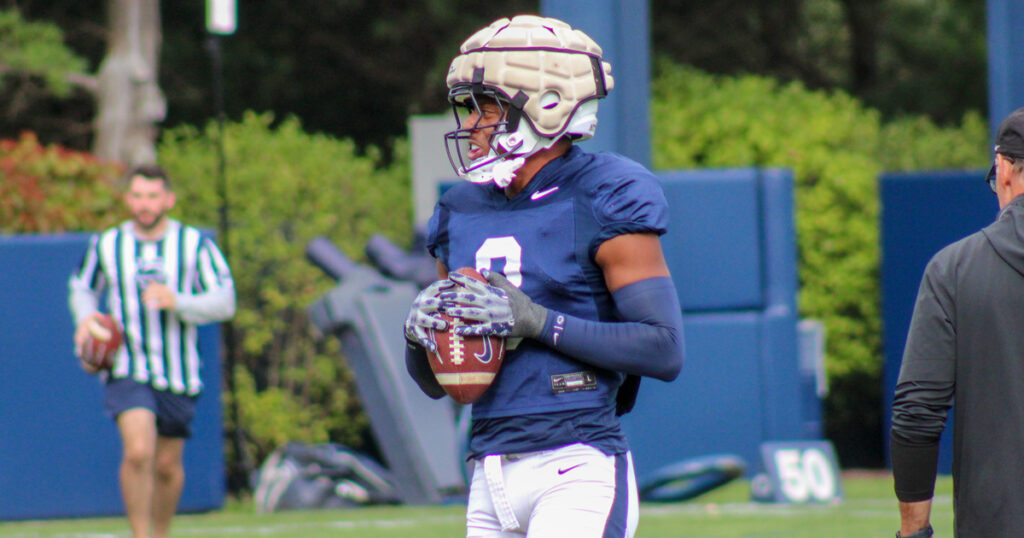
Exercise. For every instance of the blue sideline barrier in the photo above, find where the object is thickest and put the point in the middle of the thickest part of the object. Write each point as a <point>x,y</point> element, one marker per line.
<point>921,213</point>
<point>731,249</point>
<point>60,453</point>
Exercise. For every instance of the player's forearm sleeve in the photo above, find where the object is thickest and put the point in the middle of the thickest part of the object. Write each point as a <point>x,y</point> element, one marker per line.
<point>648,342</point>
<point>419,369</point>
<point>919,412</point>
<point>913,469</point>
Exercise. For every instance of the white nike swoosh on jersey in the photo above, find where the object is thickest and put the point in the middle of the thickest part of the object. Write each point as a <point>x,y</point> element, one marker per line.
<point>540,194</point>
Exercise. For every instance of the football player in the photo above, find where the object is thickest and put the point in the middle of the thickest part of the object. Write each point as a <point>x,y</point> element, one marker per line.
<point>569,242</point>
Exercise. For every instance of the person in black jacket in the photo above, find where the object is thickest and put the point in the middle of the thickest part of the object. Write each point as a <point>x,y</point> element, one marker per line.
<point>967,339</point>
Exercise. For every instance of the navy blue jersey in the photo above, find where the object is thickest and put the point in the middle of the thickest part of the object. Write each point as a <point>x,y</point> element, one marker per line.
<point>544,241</point>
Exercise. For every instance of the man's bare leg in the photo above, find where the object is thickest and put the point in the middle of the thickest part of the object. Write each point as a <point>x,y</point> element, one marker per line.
<point>169,481</point>
<point>138,445</point>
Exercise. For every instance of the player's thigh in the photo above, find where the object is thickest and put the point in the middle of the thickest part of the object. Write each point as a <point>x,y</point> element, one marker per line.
<point>591,495</point>
<point>138,433</point>
<point>133,408</point>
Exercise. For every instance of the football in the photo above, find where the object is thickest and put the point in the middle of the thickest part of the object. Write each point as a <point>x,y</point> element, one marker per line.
<point>465,366</point>
<point>104,341</point>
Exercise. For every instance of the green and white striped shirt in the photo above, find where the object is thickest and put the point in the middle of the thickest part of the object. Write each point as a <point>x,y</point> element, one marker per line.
<point>161,346</point>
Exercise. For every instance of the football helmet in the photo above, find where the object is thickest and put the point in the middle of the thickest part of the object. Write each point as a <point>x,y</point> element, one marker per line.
<point>546,78</point>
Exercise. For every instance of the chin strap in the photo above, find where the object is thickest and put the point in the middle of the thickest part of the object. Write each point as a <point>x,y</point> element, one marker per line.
<point>504,171</point>
<point>500,171</point>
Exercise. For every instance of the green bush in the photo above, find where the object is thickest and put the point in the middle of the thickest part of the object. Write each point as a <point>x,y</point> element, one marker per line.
<point>284,188</point>
<point>836,148</point>
<point>54,189</point>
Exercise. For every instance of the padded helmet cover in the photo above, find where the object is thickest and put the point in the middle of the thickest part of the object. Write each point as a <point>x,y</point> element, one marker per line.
<point>556,67</point>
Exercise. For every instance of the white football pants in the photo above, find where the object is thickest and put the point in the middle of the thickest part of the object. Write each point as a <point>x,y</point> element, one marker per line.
<point>573,491</point>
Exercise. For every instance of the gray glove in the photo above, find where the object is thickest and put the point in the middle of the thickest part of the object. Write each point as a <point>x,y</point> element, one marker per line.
<point>499,309</point>
<point>423,315</point>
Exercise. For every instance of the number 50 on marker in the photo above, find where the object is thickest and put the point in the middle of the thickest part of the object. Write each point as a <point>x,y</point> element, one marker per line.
<point>799,472</point>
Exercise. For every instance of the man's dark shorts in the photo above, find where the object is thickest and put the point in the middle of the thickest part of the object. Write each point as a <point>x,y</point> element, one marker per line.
<point>173,412</point>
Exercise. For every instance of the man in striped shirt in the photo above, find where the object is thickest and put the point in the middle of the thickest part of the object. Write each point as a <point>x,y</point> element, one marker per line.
<point>161,279</point>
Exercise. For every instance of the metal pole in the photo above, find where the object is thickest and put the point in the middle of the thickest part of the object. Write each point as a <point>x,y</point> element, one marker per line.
<point>237,478</point>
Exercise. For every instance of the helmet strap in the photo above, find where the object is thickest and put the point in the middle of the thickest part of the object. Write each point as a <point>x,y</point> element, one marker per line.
<point>515,110</point>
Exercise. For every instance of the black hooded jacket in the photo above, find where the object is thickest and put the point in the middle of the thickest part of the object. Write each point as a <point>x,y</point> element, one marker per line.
<point>966,341</point>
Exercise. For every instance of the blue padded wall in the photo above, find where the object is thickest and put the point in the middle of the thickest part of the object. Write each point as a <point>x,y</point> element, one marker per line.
<point>921,213</point>
<point>713,248</point>
<point>714,406</point>
<point>60,452</point>
<point>731,248</point>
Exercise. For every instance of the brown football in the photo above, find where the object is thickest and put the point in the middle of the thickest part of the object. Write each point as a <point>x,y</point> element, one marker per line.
<point>104,341</point>
<point>465,366</point>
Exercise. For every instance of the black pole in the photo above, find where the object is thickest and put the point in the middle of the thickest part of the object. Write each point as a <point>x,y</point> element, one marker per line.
<point>237,478</point>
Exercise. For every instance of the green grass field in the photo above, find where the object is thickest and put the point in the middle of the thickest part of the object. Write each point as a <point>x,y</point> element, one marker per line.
<point>868,508</point>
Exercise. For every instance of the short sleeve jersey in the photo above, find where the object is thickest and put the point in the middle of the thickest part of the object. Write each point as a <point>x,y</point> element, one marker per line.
<point>544,241</point>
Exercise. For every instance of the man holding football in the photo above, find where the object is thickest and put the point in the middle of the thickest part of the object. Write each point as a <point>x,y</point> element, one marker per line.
<point>569,243</point>
<point>161,279</point>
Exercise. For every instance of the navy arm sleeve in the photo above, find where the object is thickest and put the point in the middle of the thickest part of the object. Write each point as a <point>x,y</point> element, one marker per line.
<point>649,342</point>
<point>418,366</point>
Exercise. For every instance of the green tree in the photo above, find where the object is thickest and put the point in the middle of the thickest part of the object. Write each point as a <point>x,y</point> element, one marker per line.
<point>124,94</point>
<point>354,70</point>
<point>30,50</point>
<point>358,69</point>
<point>36,88</point>
<point>899,57</point>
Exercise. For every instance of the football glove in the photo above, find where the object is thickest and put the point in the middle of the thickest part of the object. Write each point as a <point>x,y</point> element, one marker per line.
<point>423,315</point>
<point>498,308</point>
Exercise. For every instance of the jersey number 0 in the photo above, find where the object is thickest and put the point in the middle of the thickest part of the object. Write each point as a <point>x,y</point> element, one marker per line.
<point>507,248</point>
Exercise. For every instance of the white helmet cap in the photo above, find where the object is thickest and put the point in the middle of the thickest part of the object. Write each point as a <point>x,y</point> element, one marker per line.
<point>544,72</point>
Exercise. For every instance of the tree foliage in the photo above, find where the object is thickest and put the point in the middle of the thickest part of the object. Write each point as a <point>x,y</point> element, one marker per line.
<point>358,69</point>
<point>900,57</point>
<point>30,49</point>
<point>286,187</point>
<point>35,93</point>
<point>355,70</point>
